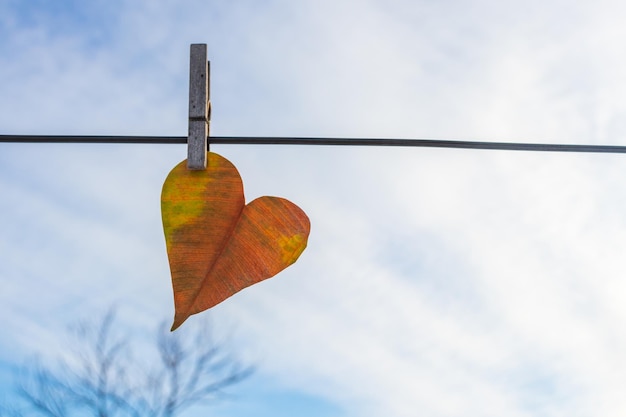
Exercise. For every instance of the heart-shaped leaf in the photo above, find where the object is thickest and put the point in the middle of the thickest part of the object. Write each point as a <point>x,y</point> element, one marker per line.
<point>216,244</point>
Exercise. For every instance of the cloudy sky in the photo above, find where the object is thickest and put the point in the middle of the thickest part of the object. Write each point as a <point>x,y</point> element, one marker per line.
<point>436,282</point>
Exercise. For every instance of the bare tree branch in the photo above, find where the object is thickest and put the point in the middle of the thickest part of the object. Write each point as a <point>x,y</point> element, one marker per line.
<point>102,380</point>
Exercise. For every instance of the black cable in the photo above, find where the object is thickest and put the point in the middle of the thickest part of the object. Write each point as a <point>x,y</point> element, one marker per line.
<point>231,140</point>
<point>93,139</point>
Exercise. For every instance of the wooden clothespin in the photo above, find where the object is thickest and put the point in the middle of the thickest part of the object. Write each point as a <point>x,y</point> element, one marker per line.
<point>199,107</point>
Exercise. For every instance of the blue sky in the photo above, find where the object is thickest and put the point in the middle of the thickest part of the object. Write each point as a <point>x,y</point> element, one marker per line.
<point>439,282</point>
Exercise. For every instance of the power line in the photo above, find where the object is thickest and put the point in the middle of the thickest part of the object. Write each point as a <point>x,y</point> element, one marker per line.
<point>251,140</point>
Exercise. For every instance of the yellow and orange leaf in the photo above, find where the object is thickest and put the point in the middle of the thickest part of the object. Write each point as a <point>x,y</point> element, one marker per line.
<point>216,244</point>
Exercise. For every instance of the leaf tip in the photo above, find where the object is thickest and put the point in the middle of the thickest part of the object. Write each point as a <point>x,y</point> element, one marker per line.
<point>178,320</point>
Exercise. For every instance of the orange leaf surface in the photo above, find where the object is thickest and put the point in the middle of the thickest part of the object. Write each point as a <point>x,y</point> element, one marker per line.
<point>216,244</point>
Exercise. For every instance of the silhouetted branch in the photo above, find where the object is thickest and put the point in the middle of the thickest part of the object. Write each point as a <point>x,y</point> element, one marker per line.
<point>101,380</point>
